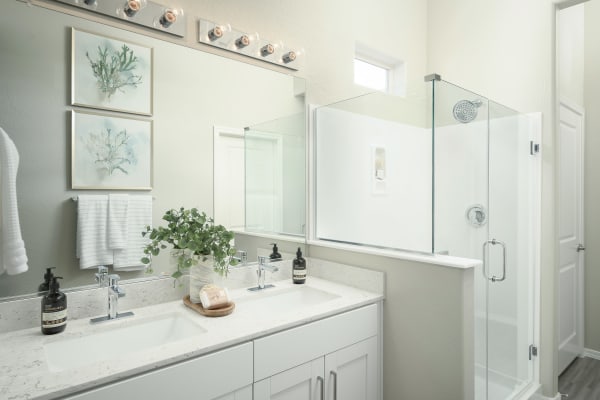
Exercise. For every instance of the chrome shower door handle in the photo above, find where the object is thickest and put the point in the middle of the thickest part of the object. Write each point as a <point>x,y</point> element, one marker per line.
<point>494,278</point>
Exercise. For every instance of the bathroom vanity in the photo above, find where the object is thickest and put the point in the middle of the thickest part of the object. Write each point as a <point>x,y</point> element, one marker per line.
<point>317,340</point>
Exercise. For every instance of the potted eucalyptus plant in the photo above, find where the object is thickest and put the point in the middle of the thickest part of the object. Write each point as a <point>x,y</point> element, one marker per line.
<point>194,238</point>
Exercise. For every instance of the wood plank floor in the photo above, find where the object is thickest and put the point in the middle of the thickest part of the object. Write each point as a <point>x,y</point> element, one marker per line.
<point>581,380</point>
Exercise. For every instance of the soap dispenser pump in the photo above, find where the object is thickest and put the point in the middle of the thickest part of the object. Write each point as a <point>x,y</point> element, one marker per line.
<point>45,286</point>
<point>299,268</point>
<point>275,256</point>
<point>54,309</point>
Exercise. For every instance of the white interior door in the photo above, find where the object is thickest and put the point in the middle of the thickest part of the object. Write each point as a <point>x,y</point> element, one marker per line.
<point>229,177</point>
<point>570,233</point>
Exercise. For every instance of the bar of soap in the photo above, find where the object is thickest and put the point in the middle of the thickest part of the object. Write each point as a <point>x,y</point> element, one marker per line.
<point>213,297</point>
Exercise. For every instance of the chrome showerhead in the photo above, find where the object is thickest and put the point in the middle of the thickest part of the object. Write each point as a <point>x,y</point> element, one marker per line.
<point>466,110</point>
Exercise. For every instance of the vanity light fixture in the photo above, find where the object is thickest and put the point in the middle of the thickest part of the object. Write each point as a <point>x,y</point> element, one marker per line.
<point>242,41</point>
<point>161,17</point>
<point>249,44</point>
<point>267,50</point>
<point>216,33</point>
<point>289,57</point>
<point>169,17</point>
<point>132,7</point>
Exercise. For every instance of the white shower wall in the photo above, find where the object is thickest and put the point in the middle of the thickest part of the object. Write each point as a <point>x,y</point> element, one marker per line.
<point>352,206</point>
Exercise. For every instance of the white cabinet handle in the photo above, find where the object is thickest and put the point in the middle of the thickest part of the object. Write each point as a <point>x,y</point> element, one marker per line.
<point>334,374</point>
<point>322,383</point>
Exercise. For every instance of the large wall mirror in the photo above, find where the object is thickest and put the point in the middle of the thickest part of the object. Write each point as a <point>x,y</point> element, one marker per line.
<point>195,94</point>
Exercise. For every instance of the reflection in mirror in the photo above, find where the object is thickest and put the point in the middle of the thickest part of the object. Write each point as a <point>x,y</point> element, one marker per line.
<point>275,176</point>
<point>374,172</point>
<point>193,92</point>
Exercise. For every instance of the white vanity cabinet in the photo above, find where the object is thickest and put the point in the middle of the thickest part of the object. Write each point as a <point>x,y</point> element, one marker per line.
<point>332,359</point>
<point>223,375</point>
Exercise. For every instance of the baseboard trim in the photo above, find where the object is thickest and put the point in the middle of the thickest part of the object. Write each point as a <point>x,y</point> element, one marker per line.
<point>595,354</point>
<point>538,396</point>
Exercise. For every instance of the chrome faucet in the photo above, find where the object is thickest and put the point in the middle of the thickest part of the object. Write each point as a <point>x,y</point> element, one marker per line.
<point>101,276</point>
<point>261,272</point>
<point>241,256</point>
<point>114,292</point>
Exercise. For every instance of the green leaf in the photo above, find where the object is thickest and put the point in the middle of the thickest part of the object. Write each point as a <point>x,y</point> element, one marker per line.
<point>177,274</point>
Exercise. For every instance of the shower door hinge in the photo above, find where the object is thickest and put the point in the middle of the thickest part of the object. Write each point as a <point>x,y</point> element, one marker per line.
<point>534,148</point>
<point>533,351</point>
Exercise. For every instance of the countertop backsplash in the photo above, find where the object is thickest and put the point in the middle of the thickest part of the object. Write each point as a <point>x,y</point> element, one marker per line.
<point>25,313</point>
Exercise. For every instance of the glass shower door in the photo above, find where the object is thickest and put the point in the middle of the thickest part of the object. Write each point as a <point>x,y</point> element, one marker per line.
<point>482,207</point>
<point>507,255</point>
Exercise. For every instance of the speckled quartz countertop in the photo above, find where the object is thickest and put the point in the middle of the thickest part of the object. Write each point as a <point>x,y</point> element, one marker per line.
<point>25,372</point>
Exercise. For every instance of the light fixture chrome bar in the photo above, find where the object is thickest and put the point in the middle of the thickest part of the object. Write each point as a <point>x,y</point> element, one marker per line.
<point>149,14</point>
<point>225,37</point>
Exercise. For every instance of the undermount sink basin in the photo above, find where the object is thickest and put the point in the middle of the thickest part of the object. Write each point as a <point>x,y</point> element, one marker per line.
<point>116,341</point>
<point>286,299</point>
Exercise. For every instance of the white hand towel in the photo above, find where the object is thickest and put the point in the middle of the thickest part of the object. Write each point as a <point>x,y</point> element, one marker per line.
<point>139,216</point>
<point>117,221</point>
<point>14,257</point>
<point>92,243</point>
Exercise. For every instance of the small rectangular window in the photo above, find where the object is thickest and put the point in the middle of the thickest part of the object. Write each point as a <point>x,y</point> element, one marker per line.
<point>371,75</point>
<point>379,71</point>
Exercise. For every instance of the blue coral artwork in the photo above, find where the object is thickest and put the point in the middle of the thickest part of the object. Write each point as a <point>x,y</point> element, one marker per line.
<point>110,152</point>
<point>110,74</point>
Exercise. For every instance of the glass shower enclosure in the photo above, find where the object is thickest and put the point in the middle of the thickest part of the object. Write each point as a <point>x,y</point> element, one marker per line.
<point>448,172</point>
<point>484,181</point>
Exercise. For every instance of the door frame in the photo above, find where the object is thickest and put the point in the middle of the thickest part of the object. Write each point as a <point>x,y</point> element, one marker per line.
<point>218,133</point>
<point>580,111</point>
<point>558,5</point>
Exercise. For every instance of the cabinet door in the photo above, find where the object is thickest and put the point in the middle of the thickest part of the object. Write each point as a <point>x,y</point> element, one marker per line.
<point>304,382</point>
<point>352,373</point>
<point>208,377</point>
<point>242,394</point>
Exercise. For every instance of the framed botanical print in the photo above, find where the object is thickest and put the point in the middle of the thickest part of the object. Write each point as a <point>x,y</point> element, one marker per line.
<point>110,74</point>
<point>110,152</point>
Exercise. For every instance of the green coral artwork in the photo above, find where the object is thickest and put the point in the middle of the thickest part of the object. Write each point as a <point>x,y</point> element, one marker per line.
<point>111,74</point>
<point>115,70</point>
<point>111,152</point>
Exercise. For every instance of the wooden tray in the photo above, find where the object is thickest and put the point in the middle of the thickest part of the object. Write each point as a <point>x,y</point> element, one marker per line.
<point>219,312</point>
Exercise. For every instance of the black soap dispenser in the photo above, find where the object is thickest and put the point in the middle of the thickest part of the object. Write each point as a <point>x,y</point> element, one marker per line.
<point>54,309</point>
<point>275,256</point>
<point>299,268</point>
<point>45,286</point>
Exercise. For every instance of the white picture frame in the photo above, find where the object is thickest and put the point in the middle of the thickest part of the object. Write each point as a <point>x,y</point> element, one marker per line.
<point>110,74</point>
<point>111,152</point>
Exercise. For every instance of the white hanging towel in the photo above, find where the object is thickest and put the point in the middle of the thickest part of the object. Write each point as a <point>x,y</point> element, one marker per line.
<point>14,257</point>
<point>117,221</point>
<point>92,240</point>
<point>139,216</point>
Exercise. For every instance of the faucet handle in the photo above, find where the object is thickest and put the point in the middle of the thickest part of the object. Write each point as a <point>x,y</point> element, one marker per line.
<point>113,285</point>
<point>101,275</point>
<point>241,256</point>
<point>113,280</point>
<point>262,260</point>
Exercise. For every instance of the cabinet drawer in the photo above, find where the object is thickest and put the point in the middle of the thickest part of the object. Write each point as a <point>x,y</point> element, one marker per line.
<point>205,377</point>
<point>284,350</point>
